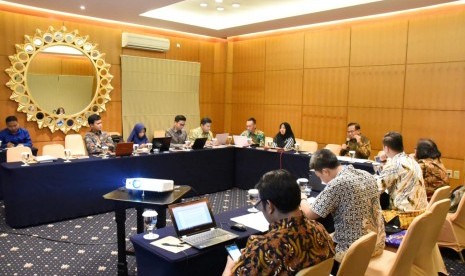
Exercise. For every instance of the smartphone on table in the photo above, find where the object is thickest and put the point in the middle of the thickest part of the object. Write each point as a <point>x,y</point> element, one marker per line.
<point>233,251</point>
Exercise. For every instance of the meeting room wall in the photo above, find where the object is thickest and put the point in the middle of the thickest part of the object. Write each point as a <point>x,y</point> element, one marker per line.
<point>211,53</point>
<point>404,73</point>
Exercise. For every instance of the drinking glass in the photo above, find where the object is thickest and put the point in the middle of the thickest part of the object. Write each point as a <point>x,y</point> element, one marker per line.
<point>304,187</point>
<point>25,158</point>
<point>104,152</point>
<point>187,144</point>
<point>249,141</point>
<point>377,167</point>
<point>253,198</point>
<point>229,140</point>
<point>149,147</point>
<point>150,221</point>
<point>135,147</point>
<point>214,142</point>
<point>352,155</point>
<point>296,148</point>
<point>270,144</point>
<point>67,155</point>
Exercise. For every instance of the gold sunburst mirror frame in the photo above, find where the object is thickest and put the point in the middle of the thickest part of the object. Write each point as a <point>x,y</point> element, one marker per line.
<point>21,93</point>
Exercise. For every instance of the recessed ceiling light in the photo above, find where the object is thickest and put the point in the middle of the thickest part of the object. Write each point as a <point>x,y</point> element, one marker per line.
<point>82,7</point>
<point>203,5</point>
<point>219,1</point>
<point>219,8</point>
<point>236,5</point>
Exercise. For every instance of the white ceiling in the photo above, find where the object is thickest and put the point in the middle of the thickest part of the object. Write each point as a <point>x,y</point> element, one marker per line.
<point>253,15</point>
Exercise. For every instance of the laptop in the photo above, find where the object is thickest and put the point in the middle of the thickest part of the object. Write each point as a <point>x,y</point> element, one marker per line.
<point>240,141</point>
<point>124,149</point>
<point>221,138</point>
<point>315,182</point>
<point>161,143</point>
<point>199,143</point>
<point>195,225</point>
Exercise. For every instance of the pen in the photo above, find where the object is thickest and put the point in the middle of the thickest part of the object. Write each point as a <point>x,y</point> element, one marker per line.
<point>170,244</point>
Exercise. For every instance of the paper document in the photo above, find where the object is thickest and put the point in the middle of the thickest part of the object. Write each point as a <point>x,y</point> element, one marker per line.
<point>171,244</point>
<point>253,220</point>
<point>348,159</point>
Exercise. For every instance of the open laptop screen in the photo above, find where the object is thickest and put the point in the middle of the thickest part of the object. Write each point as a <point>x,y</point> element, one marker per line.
<point>191,217</point>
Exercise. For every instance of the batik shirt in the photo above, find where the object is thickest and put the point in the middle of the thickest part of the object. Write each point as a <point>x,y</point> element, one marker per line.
<point>362,149</point>
<point>198,133</point>
<point>352,198</point>
<point>290,245</point>
<point>258,137</point>
<point>434,175</point>
<point>403,179</point>
<point>95,140</point>
<point>177,136</point>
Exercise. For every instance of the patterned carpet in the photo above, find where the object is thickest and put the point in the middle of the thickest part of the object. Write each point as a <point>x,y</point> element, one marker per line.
<point>87,246</point>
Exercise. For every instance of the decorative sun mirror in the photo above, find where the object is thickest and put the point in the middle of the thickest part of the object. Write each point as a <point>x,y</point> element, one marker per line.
<point>59,79</point>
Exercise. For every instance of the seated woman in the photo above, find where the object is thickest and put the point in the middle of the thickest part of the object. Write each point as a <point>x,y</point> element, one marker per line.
<point>434,172</point>
<point>285,138</point>
<point>138,135</point>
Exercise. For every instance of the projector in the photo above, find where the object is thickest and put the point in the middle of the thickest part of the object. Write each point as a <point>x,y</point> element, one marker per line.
<point>149,184</point>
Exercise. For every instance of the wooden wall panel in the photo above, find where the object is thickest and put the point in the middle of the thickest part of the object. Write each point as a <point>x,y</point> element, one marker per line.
<point>214,111</point>
<point>115,95</point>
<point>379,43</point>
<point>206,83</point>
<point>283,87</point>
<point>285,52</point>
<point>241,112</point>
<point>376,122</point>
<point>454,165</point>
<point>220,57</point>
<point>206,56</point>
<point>326,86</point>
<point>437,38</point>
<point>327,48</point>
<point>248,87</point>
<point>188,50</point>
<point>439,86</point>
<point>277,114</point>
<point>218,86</point>
<point>378,86</point>
<point>249,55</point>
<point>325,125</point>
<point>446,128</point>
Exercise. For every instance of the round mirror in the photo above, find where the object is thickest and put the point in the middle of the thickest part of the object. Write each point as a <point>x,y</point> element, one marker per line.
<point>59,79</point>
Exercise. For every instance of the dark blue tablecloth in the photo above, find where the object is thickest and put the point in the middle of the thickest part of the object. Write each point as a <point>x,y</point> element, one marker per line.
<point>152,260</point>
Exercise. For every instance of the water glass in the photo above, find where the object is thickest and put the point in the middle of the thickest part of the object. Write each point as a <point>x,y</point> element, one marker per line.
<point>104,152</point>
<point>352,155</point>
<point>249,141</point>
<point>214,142</point>
<point>229,140</point>
<point>150,221</point>
<point>149,147</point>
<point>67,153</point>
<point>377,167</point>
<point>135,147</point>
<point>304,186</point>
<point>25,158</point>
<point>254,197</point>
<point>187,144</point>
<point>296,148</point>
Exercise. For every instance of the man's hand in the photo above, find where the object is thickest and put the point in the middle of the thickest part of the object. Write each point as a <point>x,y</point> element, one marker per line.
<point>358,137</point>
<point>344,146</point>
<point>10,145</point>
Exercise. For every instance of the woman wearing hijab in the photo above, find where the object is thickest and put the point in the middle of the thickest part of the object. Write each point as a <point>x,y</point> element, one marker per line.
<point>285,138</point>
<point>138,135</point>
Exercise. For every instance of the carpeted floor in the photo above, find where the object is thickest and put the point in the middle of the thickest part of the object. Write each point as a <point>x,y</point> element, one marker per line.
<point>87,246</point>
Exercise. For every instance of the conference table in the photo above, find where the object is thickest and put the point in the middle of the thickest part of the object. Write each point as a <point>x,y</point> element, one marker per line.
<point>49,192</point>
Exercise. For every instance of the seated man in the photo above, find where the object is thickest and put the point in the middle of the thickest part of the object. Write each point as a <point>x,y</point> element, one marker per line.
<point>356,142</point>
<point>14,135</point>
<point>352,197</point>
<point>203,131</point>
<point>258,136</point>
<point>177,133</point>
<point>292,243</point>
<point>96,139</point>
<point>401,176</point>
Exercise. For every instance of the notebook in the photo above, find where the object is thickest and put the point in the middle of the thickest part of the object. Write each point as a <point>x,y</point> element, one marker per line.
<point>221,138</point>
<point>124,149</point>
<point>240,141</point>
<point>195,225</point>
<point>199,143</point>
<point>161,143</point>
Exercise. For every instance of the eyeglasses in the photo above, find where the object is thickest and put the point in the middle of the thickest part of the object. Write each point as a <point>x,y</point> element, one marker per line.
<point>257,204</point>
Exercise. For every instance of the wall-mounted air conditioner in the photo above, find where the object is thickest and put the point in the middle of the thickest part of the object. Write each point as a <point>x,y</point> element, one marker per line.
<point>145,42</point>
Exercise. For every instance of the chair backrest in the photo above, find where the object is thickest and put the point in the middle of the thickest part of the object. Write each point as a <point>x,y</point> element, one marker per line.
<point>334,148</point>
<point>110,133</point>
<point>158,133</point>
<point>439,194</point>
<point>423,258</point>
<point>55,150</point>
<point>75,143</point>
<point>357,257</point>
<point>321,269</point>
<point>459,216</point>
<point>410,245</point>
<point>299,141</point>
<point>14,154</point>
<point>310,146</point>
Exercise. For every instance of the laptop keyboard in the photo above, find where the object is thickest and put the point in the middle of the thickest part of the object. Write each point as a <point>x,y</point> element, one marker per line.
<point>205,236</point>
